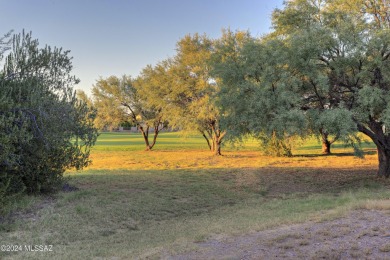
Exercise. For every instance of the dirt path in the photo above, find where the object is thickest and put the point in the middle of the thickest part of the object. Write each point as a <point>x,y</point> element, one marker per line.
<point>363,234</point>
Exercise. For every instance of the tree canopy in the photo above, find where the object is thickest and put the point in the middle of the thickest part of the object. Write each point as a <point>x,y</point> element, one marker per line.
<point>250,102</point>
<point>183,88</point>
<point>118,100</point>
<point>324,69</point>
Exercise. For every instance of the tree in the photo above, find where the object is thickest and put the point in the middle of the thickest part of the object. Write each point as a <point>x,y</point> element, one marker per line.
<point>346,67</point>
<point>118,100</point>
<point>182,87</point>
<point>333,62</point>
<point>291,19</point>
<point>44,128</point>
<point>239,64</point>
<point>83,97</point>
<point>109,112</point>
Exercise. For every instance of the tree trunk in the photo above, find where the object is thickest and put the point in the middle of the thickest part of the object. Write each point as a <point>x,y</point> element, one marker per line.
<point>217,140</point>
<point>326,147</point>
<point>207,140</point>
<point>384,163</point>
<point>156,132</point>
<point>325,142</point>
<point>217,143</point>
<point>216,137</point>
<point>145,135</point>
<point>381,139</point>
<point>217,147</point>
<point>154,138</point>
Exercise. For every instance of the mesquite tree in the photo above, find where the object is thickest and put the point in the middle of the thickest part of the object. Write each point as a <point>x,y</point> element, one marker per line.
<point>340,57</point>
<point>117,100</point>
<point>249,101</point>
<point>183,88</point>
<point>327,64</point>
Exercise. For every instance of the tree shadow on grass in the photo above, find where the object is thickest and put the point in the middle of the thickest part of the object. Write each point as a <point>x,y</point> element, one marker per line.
<point>340,154</point>
<point>148,196</point>
<point>166,194</point>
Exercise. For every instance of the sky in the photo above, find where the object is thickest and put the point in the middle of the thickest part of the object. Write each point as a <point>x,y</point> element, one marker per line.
<point>117,37</point>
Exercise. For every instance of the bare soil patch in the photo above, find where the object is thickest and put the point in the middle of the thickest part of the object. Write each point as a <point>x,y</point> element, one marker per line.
<point>363,234</point>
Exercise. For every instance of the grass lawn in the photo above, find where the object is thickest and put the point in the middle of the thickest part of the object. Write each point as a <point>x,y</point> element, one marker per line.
<point>137,204</point>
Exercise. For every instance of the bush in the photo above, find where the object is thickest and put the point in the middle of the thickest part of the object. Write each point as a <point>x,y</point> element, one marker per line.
<point>44,128</point>
<point>274,145</point>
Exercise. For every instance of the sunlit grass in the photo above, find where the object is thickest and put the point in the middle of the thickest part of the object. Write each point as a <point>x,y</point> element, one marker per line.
<point>132,203</point>
<point>174,151</point>
<point>125,141</point>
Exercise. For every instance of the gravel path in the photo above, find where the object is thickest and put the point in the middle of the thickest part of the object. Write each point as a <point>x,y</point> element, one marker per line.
<point>363,234</point>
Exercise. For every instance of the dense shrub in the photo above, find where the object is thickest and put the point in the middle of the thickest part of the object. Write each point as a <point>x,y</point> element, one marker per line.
<point>44,128</point>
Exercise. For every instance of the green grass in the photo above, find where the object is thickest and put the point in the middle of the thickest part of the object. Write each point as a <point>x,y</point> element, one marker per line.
<point>133,141</point>
<point>163,202</point>
<point>312,145</point>
<point>124,141</point>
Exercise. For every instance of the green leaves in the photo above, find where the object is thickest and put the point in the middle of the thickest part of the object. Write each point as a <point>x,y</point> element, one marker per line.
<point>46,129</point>
<point>110,97</point>
<point>121,100</point>
<point>324,70</point>
<point>372,101</point>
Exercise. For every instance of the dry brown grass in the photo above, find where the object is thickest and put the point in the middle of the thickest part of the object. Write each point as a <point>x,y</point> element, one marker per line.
<point>197,159</point>
<point>376,205</point>
<point>266,175</point>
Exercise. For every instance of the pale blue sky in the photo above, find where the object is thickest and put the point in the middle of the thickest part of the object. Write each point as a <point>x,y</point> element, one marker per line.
<point>116,37</point>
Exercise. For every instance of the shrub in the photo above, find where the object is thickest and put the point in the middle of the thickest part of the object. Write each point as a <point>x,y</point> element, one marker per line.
<point>44,128</point>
